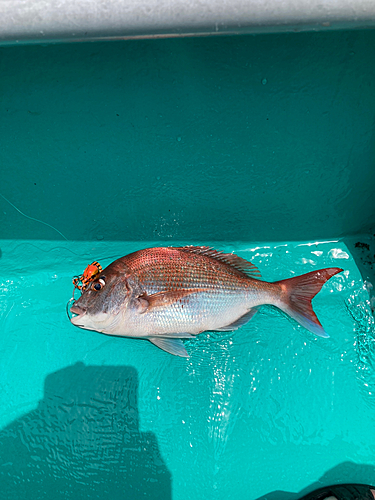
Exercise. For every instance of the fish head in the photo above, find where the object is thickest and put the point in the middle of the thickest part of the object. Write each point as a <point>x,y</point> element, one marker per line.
<point>102,303</point>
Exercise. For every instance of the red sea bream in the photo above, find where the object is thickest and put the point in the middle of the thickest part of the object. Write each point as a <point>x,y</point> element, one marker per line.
<point>168,294</point>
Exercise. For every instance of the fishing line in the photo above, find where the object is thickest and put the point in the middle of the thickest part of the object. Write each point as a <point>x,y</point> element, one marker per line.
<point>44,250</point>
<point>67,307</point>
<point>109,258</point>
<point>33,218</point>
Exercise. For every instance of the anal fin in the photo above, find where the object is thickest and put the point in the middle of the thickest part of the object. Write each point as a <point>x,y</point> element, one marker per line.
<point>242,320</point>
<point>173,346</point>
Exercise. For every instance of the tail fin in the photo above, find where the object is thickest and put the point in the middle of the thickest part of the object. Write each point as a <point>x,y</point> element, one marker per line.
<point>297,294</point>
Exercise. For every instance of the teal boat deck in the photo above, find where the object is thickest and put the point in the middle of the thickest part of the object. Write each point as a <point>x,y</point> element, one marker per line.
<point>261,145</point>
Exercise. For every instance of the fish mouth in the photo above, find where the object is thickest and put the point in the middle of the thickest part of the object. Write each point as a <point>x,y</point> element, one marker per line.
<point>79,313</point>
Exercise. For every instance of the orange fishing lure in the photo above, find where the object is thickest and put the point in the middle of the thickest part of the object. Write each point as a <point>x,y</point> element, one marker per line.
<point>89,274</point>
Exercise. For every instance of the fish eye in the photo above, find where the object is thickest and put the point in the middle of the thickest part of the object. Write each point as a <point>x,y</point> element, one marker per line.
<point>99,285</point>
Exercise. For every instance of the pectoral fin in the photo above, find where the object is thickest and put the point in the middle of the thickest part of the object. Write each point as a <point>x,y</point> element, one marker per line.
<point>173,346</point>
<point>164,299</point>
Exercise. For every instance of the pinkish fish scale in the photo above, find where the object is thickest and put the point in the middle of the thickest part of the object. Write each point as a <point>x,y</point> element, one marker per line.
<point>170,270</point>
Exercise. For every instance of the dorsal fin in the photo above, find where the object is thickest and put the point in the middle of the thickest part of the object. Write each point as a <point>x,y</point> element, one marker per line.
<point>238,263</point>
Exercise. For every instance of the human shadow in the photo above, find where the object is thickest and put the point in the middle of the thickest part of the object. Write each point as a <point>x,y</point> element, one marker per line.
<point>83,442</point>
<point>346,472</point>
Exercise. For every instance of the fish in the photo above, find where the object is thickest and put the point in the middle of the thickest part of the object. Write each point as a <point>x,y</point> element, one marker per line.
<point>166,294</point>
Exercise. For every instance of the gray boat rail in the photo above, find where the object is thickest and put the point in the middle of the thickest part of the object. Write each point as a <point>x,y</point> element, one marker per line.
<point>42,21</point>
